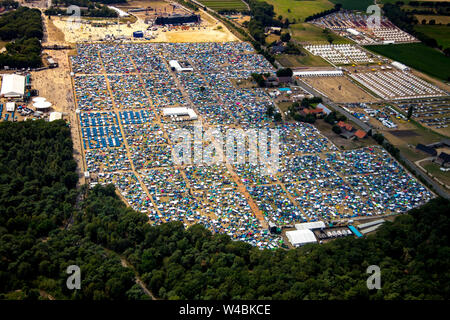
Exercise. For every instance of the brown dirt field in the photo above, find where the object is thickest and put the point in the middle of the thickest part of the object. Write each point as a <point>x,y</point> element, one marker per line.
<point>56,86</point>
<point>54,35</point>
<point>349,92</point>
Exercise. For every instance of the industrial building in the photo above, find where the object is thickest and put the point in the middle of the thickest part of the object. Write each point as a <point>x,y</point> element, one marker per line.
<point>178,19</point>
<point>13,86</point>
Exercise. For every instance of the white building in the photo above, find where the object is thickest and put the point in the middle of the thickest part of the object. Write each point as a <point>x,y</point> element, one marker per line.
<point>299,238</point>
<point>13,86</point>
<point>353,32</point>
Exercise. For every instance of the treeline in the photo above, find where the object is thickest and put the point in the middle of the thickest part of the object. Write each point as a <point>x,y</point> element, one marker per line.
<point>406,21</point>
<point>262,16</point>
<point>336,8</point>
<point>45,227</point>
<point>94,11</point>
<point>9,4</point>
<point>37,197</point>
<point>23,25</point>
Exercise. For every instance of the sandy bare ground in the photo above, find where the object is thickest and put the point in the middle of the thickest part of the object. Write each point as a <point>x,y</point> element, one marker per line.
<point>340,89</point>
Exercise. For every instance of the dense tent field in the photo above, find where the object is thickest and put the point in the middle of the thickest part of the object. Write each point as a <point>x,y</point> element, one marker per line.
<point>418,56</point>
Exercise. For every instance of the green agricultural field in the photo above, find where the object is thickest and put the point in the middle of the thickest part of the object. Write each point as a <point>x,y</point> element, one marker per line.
<point>294,61</point>
<point>354,4</point>
<point>438,32</point>
<point>305,32</point>
<point>224,4</point>
<point>299,9</point>
<point>417,56</point>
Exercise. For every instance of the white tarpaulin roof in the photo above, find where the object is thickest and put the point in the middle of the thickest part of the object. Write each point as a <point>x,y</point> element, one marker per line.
<point>310,225</point>
<point>37,99</point>
<point>42,104</point>
<point>10,106</point>
<point>301,237</point>
<point>55,116</point>
<point>180,111</point>
<point>13,85</point>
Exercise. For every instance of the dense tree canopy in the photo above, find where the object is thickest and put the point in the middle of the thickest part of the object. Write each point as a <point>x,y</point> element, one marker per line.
<point>24,28</point>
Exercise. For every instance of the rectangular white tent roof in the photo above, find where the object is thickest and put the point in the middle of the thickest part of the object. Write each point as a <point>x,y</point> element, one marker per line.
<point>310,225</point>
<point>13,86</point>
<point>55,116</point>
<point>10,106</point>
<point>301,237</point>
<point>180,111</point>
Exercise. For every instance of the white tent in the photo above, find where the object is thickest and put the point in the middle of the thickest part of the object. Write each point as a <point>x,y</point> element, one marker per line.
<point>37,99</point>
<point>42,105</point>
<point>180,111</point>
<point>55,116</point>
<point>310,225</point>
<point>301,237</point>
<point>10,106</point>
<point>13,86</point>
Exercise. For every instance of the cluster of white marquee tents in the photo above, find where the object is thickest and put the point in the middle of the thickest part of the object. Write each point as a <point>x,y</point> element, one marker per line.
<point>41,103</point>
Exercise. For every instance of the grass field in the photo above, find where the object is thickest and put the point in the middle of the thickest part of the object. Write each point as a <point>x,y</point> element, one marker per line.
<point>224,4</point>
<point>299,9</point>
<point>417,56</point>
<point>354,4</point>
<point>440,33</point>
<point>305,32</point>
<point>293,61</point>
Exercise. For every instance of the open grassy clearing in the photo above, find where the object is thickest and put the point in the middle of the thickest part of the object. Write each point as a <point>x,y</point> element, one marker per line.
<point>299,9</point>
<point>224,4</point>
<point>305,32</point>
<point>354,4</point>
<point>294,61</point>
<point>440,33</point>
<point>418,56</point>
<point>434,169</point>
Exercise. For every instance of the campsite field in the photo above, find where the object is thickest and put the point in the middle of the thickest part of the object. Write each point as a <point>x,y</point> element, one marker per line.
<point>299,9</point>
<point>438,32</point>
<point>418,56</point>
<point>224,4</point>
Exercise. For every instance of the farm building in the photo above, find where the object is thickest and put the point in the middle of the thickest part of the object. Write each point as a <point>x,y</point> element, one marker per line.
<point>178,19</point>
<point>13,86</point>
<point>443,159</point>
<point>299,238</point>
<point>426,149</point>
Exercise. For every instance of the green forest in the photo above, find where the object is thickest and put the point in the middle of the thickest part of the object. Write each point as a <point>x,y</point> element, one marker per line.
<point>47,224</point>
<point>23,27</point>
